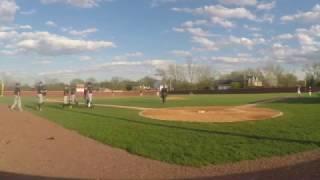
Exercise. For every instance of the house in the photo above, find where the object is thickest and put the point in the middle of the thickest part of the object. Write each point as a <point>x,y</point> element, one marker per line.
<point>254,81</point>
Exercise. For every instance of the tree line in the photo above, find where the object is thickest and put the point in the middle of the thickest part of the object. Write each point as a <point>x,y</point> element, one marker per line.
<point>194,77</point>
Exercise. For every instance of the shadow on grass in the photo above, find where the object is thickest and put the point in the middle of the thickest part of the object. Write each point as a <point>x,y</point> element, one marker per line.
<point>299,100</point>
<point>232,134</point>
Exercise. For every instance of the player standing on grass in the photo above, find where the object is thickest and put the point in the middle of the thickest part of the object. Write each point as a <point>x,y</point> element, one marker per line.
<point>40,92</point>
<point>73,92</point>
<point>66,94</point>
<point>163,94</point>
<point>17,98</point>
<point>85,94</point>
<point>310,91</point>
<point>89,94</point>
<point>299,91</point>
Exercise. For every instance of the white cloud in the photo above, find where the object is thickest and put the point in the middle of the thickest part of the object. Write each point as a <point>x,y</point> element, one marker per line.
<point>232,60</point>
<point>28,27</point>
<point>85,58</point>
<point>310,16</point>
<point>239,2</point>
<point>42,62</point>
<point>45,43</point>
<point>135,54</point>
<point>8,10</point>
<point>243,41</point>
<point>155,3</point>
<point>115,68</point>
<point>190,24</point>
<point>220,11</point>
<point>181,53</point>
<point>128,56</point>
<point>205,43</point>
<point>84,32</point>
<point>286,36</point>
<point>29,12</point>
<point>266,6</point>
<point>51,24</point>
<point>77,3</point>
<point>266,18</point>
<point>250,28</point>
<point>7,35</point>
<point>222,22</point>
<point>194,31</point>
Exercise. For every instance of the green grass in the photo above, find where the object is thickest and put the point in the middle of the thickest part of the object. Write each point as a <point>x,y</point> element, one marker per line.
<point>191,100</point>
<point>194,144</point>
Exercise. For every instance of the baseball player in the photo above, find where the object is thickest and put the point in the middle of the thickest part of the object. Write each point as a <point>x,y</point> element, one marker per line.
<point>66,95</point>
<point>299,91</point>
<point>40,92</point>
<point>73,99</point>
<point>85,94</point>
<point>163,94</point>
<point>310,91</point>
<point>17,98</point>
<point>89,94</point>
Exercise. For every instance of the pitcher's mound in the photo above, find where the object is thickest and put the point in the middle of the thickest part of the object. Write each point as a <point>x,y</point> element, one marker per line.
<point>212,114</point>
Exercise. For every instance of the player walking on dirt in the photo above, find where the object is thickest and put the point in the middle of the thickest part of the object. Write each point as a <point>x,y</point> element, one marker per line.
<point>17,98</point>
<point>40,92</point>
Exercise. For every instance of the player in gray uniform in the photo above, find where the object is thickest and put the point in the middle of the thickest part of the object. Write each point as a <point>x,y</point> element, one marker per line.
<point>66,96</point>
<point>89,94</point>
<point>40,93</point>
<point>73,98</point>
<point>17,98</point>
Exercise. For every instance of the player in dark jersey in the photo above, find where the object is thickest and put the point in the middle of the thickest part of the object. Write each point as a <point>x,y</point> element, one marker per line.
<point>17,98</point>
<point>163,94</point>
<point>85,94</point>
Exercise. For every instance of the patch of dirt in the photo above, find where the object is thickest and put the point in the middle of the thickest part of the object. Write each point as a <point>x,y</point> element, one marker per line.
<point>215,114</point>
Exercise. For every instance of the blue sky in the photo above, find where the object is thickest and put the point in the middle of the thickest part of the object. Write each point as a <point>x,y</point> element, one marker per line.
<point>105,38</point>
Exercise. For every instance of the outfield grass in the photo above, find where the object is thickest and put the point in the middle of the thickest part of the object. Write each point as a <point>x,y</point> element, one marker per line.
<point>191,100</point>
<point>194,144</point>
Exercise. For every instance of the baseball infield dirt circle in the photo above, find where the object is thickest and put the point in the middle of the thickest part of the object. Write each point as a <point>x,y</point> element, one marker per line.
<point>212,114</point>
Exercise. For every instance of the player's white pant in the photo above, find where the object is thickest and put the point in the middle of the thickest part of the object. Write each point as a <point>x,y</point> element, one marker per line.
<point>40,99</point>
<point>17,102</point>
<point>65,100</point>
<point>73,99</point>
<point>90,96</point>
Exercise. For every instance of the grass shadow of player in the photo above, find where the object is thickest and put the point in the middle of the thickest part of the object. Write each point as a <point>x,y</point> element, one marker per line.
<point>299,100</point>
<point>33,107</point>
<point>212,132</point>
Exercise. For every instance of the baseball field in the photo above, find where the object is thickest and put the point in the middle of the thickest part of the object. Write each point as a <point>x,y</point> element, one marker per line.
<point>194,143</point>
